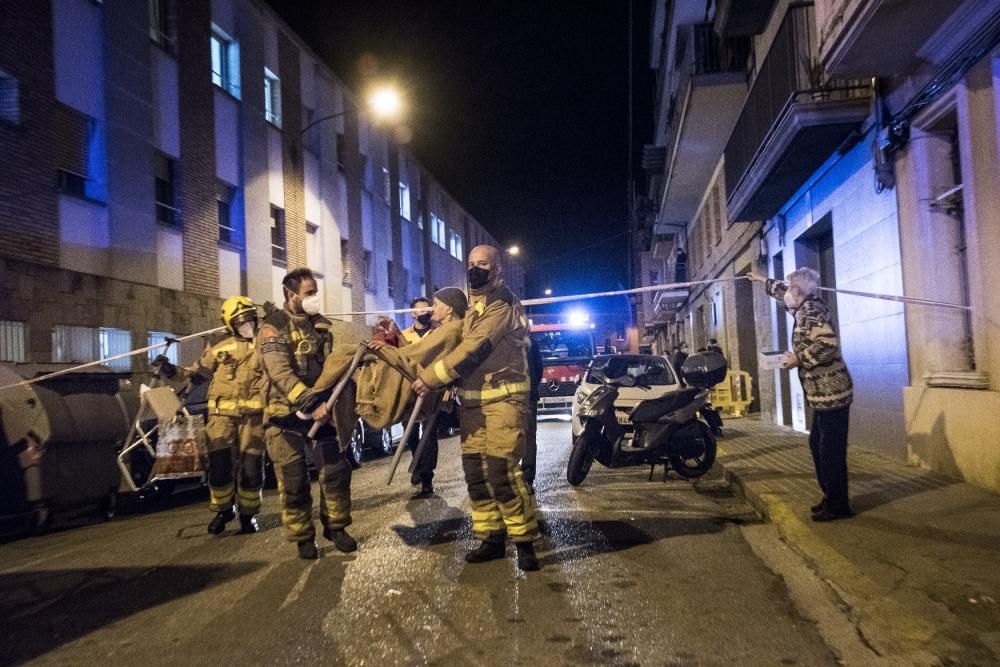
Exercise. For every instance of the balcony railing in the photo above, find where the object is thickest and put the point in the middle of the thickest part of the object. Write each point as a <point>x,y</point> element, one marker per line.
<point>789,74</point>
<point>710,54</point>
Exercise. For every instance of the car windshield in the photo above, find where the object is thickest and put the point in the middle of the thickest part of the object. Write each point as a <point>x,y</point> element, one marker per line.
<point>646,370</point>
<point>563,344</point>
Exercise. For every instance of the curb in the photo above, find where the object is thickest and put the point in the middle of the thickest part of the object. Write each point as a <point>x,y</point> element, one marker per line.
<point>891,629</point>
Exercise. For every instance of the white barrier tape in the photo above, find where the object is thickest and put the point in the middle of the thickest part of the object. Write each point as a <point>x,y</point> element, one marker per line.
<point>526,302</point>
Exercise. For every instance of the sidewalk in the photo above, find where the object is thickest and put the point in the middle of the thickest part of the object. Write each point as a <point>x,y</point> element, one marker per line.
<point>918,568</point>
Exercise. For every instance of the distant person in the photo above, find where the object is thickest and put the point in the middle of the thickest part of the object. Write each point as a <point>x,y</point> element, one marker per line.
<point>387,331</point>
<point>680,356</point>
<point>713,346</point>
<point>826,383</point>
<point>422,323</point>
<point>681,266</point>
<point>535,371</point>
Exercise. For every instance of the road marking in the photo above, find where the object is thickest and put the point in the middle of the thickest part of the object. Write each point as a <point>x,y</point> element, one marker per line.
<point>299,586</point>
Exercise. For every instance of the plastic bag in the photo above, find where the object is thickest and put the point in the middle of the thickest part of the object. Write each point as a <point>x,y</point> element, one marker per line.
<point>180,448</point>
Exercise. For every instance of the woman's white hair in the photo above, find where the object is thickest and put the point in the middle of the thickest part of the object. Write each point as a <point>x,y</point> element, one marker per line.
<point>804,281</point>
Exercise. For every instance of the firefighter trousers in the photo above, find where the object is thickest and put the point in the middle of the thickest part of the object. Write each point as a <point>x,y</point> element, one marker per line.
<point>235,462</point>
<point>287,449</point>
<point>493,442</point>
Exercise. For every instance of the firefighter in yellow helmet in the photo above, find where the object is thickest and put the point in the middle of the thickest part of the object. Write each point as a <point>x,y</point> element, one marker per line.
<point>294,343</point>
<point>235,431</point>
<point>491,371</point>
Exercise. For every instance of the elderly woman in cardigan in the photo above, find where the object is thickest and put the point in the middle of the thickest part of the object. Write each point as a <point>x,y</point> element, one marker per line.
<point>825,381</point>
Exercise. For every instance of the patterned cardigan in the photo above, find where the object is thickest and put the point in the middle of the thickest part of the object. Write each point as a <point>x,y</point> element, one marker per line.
<point>825,380</point>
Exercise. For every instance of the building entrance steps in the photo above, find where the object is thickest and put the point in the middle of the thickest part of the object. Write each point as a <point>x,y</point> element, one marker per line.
<point>917,569</point>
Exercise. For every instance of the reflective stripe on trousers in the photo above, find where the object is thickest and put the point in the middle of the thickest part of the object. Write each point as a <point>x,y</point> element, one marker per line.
<point>235,462</point>
<point>493,440</point>
<point>287,451</point>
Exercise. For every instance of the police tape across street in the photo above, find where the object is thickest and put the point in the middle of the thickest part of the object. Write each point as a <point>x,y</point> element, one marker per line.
<point>527,302</point>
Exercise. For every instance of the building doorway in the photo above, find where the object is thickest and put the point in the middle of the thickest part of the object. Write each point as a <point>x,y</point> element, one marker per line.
<point>746,334</point>
<point>784,379</point>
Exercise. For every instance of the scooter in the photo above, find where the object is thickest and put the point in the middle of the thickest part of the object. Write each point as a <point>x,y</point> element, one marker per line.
<point>663,430</point>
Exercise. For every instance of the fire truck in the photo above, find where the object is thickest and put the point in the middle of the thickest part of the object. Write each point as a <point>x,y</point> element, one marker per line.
<point>566,351</point>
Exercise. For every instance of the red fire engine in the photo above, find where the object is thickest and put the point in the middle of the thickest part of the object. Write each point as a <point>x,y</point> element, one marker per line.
<point>566,351</point>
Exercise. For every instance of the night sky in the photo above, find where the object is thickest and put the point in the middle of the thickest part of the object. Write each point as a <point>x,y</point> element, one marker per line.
<point>519,108</point>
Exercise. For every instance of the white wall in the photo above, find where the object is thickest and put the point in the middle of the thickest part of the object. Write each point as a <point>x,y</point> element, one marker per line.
<point>84,236</point>
<point>79,57</point>
<point>229,273</point>
<point>166,121</point>
<point>169,258</point>
<point>227,138</point>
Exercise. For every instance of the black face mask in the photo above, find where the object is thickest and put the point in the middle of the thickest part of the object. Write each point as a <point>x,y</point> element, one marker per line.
<point>424,319</point>
<point>478,277</point>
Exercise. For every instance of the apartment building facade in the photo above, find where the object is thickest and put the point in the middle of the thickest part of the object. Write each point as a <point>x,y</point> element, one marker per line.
<point>162,155</point>
<point>876,167</point>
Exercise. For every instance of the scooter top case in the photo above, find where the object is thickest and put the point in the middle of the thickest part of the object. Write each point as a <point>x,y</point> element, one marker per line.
<point>705,369</point>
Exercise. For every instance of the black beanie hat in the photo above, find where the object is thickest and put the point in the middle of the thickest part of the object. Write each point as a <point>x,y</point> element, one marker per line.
<point>454,297</point>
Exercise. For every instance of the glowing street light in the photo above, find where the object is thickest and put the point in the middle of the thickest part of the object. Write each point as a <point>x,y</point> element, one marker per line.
<point>548,292</point>
<point>385,103</point>
<point>514,251</point>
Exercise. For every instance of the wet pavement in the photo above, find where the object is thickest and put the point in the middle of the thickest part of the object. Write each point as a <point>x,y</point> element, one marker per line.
<point>635,573</point>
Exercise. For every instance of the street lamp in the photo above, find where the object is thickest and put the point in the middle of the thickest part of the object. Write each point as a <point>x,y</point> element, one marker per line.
<point>513,251</point>
<point>548,292</point>
<point>384,103</point>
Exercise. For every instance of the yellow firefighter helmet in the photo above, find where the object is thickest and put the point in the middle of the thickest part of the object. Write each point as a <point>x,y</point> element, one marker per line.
<point>235,311</point>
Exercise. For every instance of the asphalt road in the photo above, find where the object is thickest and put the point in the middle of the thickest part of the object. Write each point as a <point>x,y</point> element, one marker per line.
<point>634,573</point>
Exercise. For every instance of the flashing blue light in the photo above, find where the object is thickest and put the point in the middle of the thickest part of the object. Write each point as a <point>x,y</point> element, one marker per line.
<point>578,317</point>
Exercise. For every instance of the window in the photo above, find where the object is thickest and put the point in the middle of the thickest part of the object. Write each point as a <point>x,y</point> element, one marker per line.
<point>434,228</point>
<point>164,175</point>
<point>79,153</point>
<point>162,24</point>
<point>114,342</point>
<point>13,341</point>
<point>10,99</point>
<point>441,233</point>
<point>278,250</point>
<point>225,62</point>
<point>345,261</point>
<point>272,98</point>
<point>386,186</point>
<point>228,231</point>
<point>157,337</point>
<point>456,246</point>
<point>369,278</point>
<point>404,200</point>
<point>654,277</point>
<point>717,212</point>
<point>71,344</point>
<point>389,282</point>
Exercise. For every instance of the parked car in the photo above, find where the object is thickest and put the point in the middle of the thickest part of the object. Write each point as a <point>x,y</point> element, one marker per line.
<point>657,373</point>
<point>366,441</point>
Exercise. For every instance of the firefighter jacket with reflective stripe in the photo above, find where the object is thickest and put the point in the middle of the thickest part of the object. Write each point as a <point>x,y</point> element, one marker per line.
<point>236,381</point>
<point>412,335</point>
<point>292,349</point>
<point>490,363</point>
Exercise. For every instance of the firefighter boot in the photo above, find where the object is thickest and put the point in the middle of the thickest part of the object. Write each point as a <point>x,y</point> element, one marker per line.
<point>248,524</point>
<point>308,550</point>
<point>218,524</point>
<point>341,540</point>
<point>486,551</point>
<point>526,558</point>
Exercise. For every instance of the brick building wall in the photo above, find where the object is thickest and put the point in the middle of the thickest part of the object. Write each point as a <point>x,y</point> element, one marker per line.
<point>196,192</point>
<point>29,215</point>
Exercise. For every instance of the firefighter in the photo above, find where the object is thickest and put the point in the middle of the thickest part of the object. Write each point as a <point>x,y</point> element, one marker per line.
<point>422,322</point>
<point>235,430</point>
<point>490,369</point>
<point>294,342</point>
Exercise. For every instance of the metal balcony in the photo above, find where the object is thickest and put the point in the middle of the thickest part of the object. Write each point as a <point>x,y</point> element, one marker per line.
<point>792,121</point>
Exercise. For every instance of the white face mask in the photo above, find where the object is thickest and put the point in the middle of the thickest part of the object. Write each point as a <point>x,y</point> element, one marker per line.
<point>245,330</point>
<point>311,305</point>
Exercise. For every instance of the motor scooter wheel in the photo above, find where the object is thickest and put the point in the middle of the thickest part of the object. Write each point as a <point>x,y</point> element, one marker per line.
<point>580,459</point>
<point>691,467</point>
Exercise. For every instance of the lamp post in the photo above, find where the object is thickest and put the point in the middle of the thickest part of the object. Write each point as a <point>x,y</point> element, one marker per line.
<point>384,103</point>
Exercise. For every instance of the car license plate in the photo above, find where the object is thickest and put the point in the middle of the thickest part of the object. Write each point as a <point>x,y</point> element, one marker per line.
<point>623,418</point>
